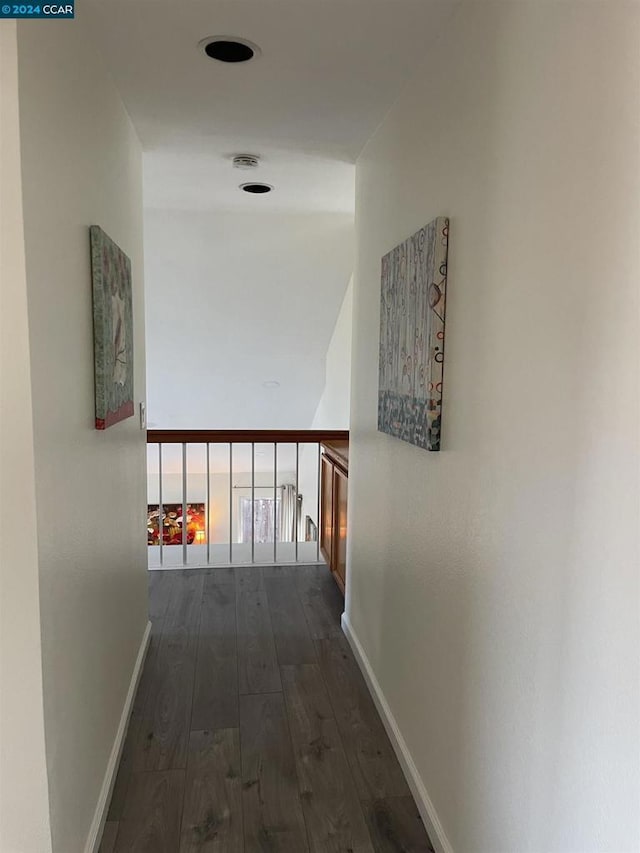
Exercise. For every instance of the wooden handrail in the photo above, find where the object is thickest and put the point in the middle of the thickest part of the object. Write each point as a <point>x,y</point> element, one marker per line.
<point>245,436</point>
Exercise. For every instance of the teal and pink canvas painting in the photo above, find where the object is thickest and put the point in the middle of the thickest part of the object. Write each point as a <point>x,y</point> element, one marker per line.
<point>412,327</point>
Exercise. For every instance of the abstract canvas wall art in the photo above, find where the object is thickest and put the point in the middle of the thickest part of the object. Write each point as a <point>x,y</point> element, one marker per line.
<point>412,323</point>
<point>112,330</point>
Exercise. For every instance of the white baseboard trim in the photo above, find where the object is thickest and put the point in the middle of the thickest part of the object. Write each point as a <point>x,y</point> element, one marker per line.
<point>100,815</point>
<point>423,800</point>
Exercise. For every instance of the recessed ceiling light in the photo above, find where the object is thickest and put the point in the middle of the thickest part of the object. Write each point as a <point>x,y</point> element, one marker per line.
<point>256,189</point>
<point>229,49</point>
<point>271,383</point>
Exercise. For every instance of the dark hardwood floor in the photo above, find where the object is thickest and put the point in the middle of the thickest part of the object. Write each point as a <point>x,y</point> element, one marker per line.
<point>252,729</point>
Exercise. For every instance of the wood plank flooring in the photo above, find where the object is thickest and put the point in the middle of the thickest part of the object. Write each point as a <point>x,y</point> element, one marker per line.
<point>252,729</point>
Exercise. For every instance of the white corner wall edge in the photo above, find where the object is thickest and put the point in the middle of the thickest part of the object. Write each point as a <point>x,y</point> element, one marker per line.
<point>425,806</point>
<point>99,817</point>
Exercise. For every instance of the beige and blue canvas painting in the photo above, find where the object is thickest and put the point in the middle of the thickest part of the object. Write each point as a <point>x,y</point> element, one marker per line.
<point>112,330</point>
<point>412,326</point>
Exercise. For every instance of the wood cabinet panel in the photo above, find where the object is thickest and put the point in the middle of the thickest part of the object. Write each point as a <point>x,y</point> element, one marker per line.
<point>334,498</point>
<point>326,524</point>
<point>340,491</point>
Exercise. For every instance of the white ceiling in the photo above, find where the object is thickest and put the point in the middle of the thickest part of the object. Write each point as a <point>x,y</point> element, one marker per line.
<point>328,72</point>
<point>205,180</point>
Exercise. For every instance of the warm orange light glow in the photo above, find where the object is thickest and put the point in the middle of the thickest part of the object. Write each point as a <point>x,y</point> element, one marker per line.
<point>200,537</point>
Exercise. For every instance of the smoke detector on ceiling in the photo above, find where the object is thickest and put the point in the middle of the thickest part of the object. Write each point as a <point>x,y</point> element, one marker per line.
<point>245,161</point>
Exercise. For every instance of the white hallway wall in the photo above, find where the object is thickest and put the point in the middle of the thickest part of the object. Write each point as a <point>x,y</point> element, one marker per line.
<point>502,573</point>
<point>237,298</point>
<point>24,796</point>
<point>334,405</point>
<point>81,165</point>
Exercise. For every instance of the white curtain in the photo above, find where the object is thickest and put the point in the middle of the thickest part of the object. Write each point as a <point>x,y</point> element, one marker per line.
<point>287,516</point>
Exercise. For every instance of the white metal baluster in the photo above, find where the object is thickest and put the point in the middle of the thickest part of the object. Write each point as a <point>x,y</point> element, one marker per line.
<point>295,516</point>
<point>208,506</point>
<point>160,512</point>
<point>275,502</point>
<point>253,502</point>
<point>184,504</point>
<point>230,502</point>
<point>318,509</point>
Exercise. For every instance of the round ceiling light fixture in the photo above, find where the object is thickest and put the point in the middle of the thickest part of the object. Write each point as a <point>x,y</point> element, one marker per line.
<point>230,49</point>
<point>256,188</point>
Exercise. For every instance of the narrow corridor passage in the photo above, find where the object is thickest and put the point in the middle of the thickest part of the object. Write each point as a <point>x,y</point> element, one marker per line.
<point>252,729</point>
